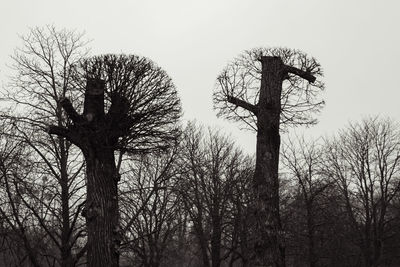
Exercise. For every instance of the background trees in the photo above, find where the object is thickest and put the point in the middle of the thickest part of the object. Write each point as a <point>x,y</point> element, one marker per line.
<point>212,188</point>
<point>151,210</point>
<point>364,161</point>
<point>304,215</point>
<point>44,73</point>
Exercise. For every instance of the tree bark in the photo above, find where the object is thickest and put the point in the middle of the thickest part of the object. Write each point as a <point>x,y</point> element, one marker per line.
<point>268,241</point>
<point>101,212</point>
<point>91,132</point>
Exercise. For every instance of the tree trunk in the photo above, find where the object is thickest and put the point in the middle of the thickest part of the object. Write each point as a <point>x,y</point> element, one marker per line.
<point>312,257</point>
<point>101,212</point>
<point>203,249</point>
<point>268,244</point>
<point>66,253</point>
<point>216,240</point>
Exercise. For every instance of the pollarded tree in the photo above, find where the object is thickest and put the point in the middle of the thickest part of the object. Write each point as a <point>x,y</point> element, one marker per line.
<point>130,105</point>
<point>265,89</point>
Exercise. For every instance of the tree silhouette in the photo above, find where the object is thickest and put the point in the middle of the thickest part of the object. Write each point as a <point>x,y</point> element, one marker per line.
<point>130,105</point>
<point>265,88</point>
<point>44,72</point>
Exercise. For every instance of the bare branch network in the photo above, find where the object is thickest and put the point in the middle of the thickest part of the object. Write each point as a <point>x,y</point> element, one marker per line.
<point>236,94</point>
<point>141,102</point>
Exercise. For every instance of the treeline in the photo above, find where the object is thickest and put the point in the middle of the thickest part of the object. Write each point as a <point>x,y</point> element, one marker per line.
<point>191,205</point>
<point>186,192</point>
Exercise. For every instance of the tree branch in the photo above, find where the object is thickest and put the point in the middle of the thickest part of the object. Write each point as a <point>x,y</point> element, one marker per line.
<point>58,130</point>
<point>303,74</point>
<point>69,109</point>
<point>243,104</point>
<point>64,132</point>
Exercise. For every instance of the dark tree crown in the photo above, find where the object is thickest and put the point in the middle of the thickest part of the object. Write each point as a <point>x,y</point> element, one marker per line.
<point>140,102</point>
<point>239,82</point>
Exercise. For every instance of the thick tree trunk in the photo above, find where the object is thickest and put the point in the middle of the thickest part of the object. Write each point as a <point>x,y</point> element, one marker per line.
<point>268,242</point>
<point>101,210</point>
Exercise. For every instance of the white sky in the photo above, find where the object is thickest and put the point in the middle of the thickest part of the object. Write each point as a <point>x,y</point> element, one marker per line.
<point>357,43</point>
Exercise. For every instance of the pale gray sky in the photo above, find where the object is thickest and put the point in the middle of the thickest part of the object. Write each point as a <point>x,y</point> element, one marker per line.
<point>357,43</point>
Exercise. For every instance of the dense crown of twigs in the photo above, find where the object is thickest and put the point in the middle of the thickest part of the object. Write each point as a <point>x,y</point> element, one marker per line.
<point>241,79</point>
<point>138,88</point>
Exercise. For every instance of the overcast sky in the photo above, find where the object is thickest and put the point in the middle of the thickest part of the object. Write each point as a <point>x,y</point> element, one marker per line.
<point>356,42</point>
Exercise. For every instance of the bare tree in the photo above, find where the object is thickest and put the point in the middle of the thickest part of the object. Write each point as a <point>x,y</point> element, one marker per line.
<point>364,160</point>
<point>265,88</point>
<point>12,165</point>
<point>236,239</point>
<point>130,105</point>
<point>44,72</point>
<point>302,163</point>
<point>150,208</point>
<point>213,168</point>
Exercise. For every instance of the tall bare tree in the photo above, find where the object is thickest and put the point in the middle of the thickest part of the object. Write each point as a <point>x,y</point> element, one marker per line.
<point>265,88</point>
<point>43,73</point>
<point>14,163</point>
<point>130,105</point>
<point>213,170</point>
<point>364,160</point>
<point>150,208</point>
<point>302,163</point>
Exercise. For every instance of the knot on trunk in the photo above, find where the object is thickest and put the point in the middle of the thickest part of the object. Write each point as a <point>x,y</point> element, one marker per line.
<point>90,212</point>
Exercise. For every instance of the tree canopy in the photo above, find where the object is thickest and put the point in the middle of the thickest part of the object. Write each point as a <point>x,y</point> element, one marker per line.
<point>240,80</point>
<point>140,100</point>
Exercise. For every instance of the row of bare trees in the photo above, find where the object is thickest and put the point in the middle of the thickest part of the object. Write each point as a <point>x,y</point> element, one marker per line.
<point>339,199</point>
<point>191,205</point>
<point>346,196</point>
